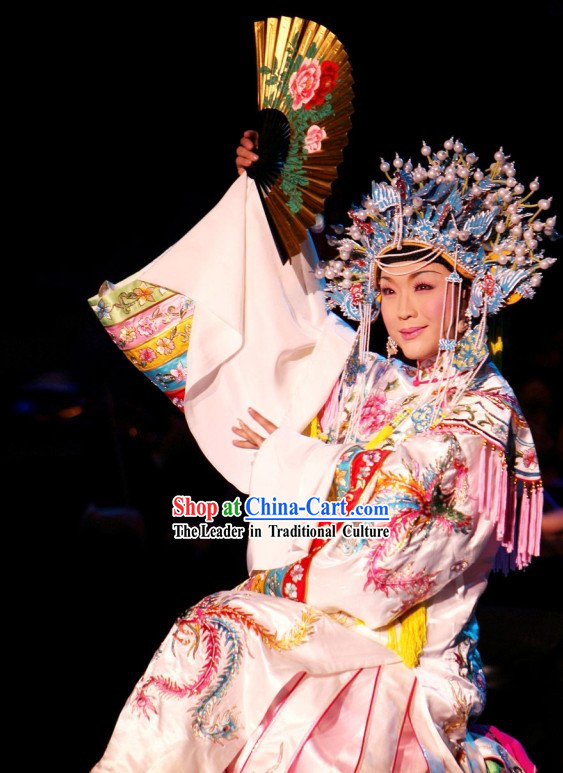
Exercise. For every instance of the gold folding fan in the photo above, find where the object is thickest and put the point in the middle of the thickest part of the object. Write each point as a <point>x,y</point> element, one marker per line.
<point>305,102</point>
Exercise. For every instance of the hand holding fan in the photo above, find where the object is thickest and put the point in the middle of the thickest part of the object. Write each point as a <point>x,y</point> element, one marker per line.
<point>305,102</point>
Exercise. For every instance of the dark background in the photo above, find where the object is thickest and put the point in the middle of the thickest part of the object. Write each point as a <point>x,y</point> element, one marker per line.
<point>129,128</point>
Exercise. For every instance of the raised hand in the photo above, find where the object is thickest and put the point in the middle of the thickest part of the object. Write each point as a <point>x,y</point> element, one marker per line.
<point>245,151</point>
<point>252,439</point>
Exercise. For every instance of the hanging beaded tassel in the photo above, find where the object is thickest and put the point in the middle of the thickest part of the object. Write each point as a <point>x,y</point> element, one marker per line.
<point>515,505</point>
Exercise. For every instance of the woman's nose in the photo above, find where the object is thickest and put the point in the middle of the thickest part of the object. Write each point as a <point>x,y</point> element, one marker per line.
<point>405,306</point>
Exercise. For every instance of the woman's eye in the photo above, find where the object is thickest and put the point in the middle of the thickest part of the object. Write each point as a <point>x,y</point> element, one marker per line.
<point>386,291</point>
<point>423,286</point>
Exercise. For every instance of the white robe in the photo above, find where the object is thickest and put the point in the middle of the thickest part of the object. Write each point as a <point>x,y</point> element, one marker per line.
<point>298,675</point>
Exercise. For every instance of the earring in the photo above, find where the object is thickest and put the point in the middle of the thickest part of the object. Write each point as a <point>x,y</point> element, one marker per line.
<point>391,347</point>
<point>464,325</point>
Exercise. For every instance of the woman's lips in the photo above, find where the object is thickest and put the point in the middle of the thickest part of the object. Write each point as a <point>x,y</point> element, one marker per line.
<point>411,332</point>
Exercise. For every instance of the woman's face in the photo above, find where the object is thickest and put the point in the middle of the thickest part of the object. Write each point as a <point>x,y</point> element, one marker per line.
<point>411,307</point>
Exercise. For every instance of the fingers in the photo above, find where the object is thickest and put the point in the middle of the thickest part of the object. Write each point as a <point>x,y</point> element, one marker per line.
<point>246,154</point>
<point>244,444</point>
<point>251,439</point>
<point>245,158</point>
<point>252,135</point>
<point>262,420</point>
<point>245,151</point>
<point>247,143</point>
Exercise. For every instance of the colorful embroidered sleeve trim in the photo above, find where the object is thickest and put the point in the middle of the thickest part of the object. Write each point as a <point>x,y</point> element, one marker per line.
<point>151,325</point>
<point>285,582</point>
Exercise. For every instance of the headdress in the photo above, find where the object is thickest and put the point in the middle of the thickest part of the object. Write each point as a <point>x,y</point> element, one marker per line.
<point>482,224</point>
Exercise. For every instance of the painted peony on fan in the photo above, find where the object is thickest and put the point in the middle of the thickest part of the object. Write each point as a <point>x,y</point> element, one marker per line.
<point>305,101</point>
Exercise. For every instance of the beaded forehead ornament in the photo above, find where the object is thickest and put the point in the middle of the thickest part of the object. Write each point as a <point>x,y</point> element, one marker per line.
<point>482,224</point>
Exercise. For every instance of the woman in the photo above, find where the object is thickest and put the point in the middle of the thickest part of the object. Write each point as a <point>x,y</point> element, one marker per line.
<point>355,649</point>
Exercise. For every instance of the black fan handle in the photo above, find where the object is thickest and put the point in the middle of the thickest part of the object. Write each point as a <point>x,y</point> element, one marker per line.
<point>274,134</point>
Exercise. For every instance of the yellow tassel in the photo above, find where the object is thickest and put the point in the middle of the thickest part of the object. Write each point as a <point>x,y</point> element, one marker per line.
<point>382,435</point>
<point>412,637</point>
<point>496,346</point>
<point>314,430</point>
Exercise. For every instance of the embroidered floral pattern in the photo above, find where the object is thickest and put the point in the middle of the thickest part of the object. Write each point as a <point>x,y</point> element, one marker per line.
<point>101,310</point>
<point>529,458</point>
<point>127,334</point>
<point>146,356</point>
<point>179,372</point>
<point>375,413</point>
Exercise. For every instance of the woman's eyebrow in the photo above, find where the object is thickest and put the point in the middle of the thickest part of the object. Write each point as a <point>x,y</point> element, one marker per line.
<point>416,273</point>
